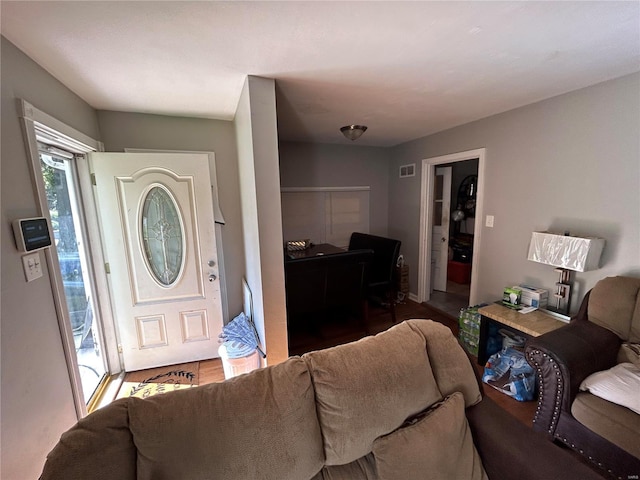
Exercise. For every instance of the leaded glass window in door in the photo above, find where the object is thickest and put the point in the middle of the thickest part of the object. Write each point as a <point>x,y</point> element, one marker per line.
<point>162,235</point>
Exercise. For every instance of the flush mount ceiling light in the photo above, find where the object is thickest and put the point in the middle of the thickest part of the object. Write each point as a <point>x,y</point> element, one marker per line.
<point>353,132</point>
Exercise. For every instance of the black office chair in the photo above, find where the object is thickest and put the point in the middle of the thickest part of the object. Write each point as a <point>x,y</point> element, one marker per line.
<point>382,282</point>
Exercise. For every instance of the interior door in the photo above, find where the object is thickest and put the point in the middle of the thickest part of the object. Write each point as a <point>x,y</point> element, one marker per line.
<point>440,229</point>
<point>156,215</point>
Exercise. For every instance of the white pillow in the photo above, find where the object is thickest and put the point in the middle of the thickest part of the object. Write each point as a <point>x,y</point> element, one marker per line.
<point>619,385</point>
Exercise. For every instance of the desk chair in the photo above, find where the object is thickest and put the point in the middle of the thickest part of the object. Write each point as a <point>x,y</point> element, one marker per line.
<point>381,279</point>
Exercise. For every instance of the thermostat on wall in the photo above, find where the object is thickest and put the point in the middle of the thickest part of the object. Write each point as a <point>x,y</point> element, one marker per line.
<point>31,234</point>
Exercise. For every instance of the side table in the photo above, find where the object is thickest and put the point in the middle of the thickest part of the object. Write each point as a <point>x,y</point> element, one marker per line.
<point>530,324</point>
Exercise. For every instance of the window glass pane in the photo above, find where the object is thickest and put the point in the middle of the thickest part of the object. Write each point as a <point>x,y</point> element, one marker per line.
<point>437,213</point>
<point>67,231</point>
<point>162,235</point>
<point>439,187</point>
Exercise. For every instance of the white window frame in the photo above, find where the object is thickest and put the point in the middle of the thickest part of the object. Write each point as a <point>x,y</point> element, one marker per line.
<point>62,135</point>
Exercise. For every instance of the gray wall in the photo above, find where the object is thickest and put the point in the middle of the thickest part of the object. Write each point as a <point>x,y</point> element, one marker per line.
<point>324,165</point>
<point>137,130</point>
<point>37,403</point>
<point>36,398</point>
<point>568,163</point>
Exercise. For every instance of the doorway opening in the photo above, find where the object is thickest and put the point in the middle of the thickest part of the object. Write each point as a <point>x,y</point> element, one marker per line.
<point>452,232</point>
<point>452,188</point>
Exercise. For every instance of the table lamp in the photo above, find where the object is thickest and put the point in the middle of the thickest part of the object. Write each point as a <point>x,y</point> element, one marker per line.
<point>567,253</point>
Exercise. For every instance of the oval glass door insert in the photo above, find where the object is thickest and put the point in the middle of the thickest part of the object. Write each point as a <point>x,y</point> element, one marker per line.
<point>162,235</point>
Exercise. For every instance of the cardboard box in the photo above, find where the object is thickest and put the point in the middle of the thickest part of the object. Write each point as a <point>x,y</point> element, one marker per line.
<point>512,295</point>
<point>534,297</point>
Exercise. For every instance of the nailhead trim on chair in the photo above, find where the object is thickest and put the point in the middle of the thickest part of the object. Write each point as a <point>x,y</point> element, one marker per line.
<point>540,384</point>
<point>591,459</point>
<point>558,399</point>
<point>545,361</point>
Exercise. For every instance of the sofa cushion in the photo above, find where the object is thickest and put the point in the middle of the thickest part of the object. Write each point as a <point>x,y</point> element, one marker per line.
<point>615,305</point>
<point>438,442</point>
<point>620,385</point>
<point>634,334</point>
<point>363,468</point>
<point>368,388</point>
<point>112,453</point>
<point>629,352</point>
<point>261,425</point>
<point>617,424</point>
<point>451,366</point>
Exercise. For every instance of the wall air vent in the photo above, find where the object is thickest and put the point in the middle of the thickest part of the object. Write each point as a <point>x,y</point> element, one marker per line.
<point>408,170</point>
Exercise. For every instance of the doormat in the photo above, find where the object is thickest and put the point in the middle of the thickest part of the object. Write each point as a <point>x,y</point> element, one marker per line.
<point>156,381</point>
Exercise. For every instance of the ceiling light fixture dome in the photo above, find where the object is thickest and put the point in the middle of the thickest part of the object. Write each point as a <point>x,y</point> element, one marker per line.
<point>353,132</point>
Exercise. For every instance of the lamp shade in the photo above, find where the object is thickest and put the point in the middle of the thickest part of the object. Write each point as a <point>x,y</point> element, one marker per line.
<point>565,251</point>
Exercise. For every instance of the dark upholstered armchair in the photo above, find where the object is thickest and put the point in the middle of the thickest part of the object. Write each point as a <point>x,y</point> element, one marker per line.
<point>381,279</point>
<point>605,433</point>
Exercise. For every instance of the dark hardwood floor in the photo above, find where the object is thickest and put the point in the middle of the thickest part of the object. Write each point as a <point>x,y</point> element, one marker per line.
<point>339,331</point>
<point>335,330</point>
<point>342,330</point>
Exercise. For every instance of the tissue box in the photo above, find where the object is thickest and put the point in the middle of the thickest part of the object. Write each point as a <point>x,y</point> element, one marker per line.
<point>534,297</point>
<point>512,295</point>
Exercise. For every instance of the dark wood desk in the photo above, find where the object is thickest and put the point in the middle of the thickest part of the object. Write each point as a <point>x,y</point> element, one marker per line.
<point>313,251</point>
<point>325,280</point>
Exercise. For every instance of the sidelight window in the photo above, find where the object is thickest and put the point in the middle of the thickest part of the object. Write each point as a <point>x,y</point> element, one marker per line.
<point>61,186</point>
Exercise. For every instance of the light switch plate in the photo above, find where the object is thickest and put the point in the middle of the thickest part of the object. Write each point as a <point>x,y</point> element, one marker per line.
<point>489,221</point>
<point>32,266</point>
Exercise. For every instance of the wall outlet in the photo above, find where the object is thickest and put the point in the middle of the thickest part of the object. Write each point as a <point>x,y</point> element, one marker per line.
<point>32,266</point>
<point>489,221</point>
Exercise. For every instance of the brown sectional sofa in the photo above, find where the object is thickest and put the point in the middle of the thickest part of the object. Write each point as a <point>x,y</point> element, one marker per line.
<point>403,404</point>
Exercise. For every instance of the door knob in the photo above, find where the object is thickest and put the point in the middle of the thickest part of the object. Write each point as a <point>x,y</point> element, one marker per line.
<point>212,277</point>
<point>444,239</point>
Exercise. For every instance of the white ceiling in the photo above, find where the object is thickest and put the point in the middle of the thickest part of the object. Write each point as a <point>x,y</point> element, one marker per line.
<point>405,69</point>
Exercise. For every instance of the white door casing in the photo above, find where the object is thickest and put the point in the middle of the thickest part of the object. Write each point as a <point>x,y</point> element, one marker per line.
<point>440,229</point>
<point>428,167</point>
<point>157,222</point>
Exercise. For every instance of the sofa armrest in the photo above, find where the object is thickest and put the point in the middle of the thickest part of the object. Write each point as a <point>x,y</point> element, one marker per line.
<point>509,449</point>
<point>563,358</point>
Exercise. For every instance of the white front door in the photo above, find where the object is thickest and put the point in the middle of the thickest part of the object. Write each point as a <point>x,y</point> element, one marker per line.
<point>156,216</point>
<point>440,230</point>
